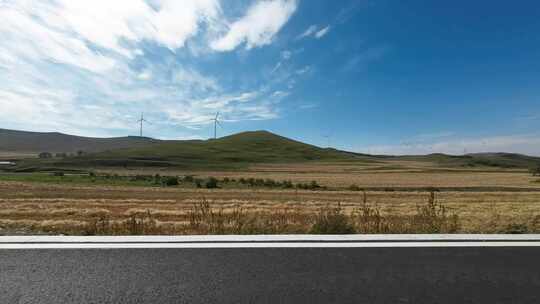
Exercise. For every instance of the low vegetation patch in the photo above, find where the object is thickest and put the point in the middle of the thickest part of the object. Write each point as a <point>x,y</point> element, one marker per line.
<point>204,217</point>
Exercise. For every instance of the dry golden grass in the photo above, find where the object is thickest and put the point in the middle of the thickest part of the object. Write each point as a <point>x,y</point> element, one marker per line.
<point>71,209</point>
<point>382,174</point>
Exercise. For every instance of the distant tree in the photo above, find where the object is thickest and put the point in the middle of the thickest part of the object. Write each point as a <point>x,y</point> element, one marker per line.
<point>536,171</point>
<point>211,183</point>
<point>61,155</point>
<point>80,153</point>
<point>354,187</point>
<point>45,155</point>
<point>170,181</point>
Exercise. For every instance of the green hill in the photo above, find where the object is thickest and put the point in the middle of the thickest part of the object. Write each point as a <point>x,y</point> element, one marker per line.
<point>24,142</point>
<point>493,160</point>
<point>235,151</point>
<point>230,151</point>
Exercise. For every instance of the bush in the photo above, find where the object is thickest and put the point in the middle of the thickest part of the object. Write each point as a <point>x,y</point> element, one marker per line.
<point>332,221</point>
<point>434,218</point>
<point>58,173</point>
<point>535,171</point>
<point>287,184</point>
<point>516,229</point>
<point>270,183</point>
<point>311,186</point>
<point>170,181</point>
<point>188,179</point>
<point>45,155</point>
<point>211,183</point>
<point>354,187</point>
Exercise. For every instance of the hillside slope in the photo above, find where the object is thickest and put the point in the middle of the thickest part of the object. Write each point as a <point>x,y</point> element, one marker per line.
<point>493,160</point>
<point>235,150</point>
<point>36,142</point>
<point>250,147</point>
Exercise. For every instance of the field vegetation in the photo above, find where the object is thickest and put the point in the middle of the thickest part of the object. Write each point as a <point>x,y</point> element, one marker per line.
<point>45,208</point>
<point>262,183</point>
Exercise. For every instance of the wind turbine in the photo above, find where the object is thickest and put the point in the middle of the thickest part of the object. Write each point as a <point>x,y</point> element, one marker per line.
<point>216,122</point>
<point>141,121</point>
<point>327,137</point>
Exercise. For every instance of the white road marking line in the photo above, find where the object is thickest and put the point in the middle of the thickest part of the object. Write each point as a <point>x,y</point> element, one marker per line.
<point>266,245</point>
<point>273,238</point>
<point>268,241</point>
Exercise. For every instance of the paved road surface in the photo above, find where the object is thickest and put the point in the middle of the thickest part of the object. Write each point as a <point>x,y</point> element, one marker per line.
<point>272,275</point>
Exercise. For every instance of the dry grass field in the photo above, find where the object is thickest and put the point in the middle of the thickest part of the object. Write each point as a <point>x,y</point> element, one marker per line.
<point>382,174</point>
<point>29,207</point>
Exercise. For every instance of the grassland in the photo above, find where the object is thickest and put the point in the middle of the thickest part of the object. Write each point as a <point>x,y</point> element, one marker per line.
<point>258,182</point>
<point>482,202</point>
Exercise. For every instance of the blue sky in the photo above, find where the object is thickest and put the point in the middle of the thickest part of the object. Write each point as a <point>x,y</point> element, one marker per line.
<point>380,76</point>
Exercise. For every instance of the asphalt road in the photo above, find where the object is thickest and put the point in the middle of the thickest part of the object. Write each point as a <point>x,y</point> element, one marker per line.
<point>272,275</point>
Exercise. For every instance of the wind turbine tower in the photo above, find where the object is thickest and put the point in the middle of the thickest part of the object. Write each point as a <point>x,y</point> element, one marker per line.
<point>216,123</point>
<point>141,121</point>
<point>327,137</point>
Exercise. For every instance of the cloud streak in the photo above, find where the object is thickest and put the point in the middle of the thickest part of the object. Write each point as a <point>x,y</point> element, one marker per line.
<point>261,23</point>
<point>89,68</point>
<point>314,31</point>
<point>520,143</point>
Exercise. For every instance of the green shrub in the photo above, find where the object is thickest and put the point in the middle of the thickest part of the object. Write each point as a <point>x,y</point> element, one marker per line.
<point>211,183</point>
<point>287,184</point>
<point>354,187</point>
<point>433,217</point>
<point>269,183</point>
<point>535,171</point>
<point>332,221</point>
<point>516,229</point>
<point>170,181</point>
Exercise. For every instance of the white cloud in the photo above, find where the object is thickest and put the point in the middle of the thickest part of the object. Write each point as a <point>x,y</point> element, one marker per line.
<point>322,32</point>
<point>363,58</point>
<point>86,68</point>
<point>145,75</point>
<point>196,113</point>
<point>312,29</point>
<point>261,23</point>
<point>303,70</point>
<point>286,55</point>
<point>107,23</point>
<point>520,143</point>
<point>191,78</point>
<point>308,106</point>
<point>24,38</point>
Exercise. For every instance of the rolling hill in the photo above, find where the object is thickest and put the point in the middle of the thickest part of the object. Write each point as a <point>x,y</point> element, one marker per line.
<point>493,160</point>
<point>24,142</point>
<point>232,151</point>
